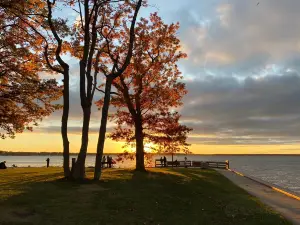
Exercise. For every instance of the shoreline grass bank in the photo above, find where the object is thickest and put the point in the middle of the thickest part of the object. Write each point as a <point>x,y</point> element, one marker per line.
<point>161,196</point>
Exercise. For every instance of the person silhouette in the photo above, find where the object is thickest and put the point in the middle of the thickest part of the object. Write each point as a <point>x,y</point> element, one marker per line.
<point>165,161</point>
<point>48,162</point>
<point>161,161</point>
<point>108,161</point>
<point>2,165</point>
<point>103,161</point>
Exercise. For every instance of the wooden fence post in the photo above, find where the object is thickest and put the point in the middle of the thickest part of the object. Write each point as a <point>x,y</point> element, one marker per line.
<point>227,164</point>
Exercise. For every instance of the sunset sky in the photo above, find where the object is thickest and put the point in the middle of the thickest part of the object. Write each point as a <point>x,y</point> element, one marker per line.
<point>242,74</point>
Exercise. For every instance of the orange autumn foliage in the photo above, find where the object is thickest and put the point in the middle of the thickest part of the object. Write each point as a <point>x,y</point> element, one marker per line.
<point>24,98</point>
<point>150,90</point>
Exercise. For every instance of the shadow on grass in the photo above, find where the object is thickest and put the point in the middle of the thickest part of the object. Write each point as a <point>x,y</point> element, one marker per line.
<point>159,196</point>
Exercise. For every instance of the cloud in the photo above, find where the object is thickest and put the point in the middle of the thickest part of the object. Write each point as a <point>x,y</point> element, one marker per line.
<point>240,35</point>
<point>242,71</point>
<point>265,110</point>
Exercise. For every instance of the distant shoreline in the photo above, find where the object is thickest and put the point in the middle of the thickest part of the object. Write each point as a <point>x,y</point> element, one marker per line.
<point>9,153</point>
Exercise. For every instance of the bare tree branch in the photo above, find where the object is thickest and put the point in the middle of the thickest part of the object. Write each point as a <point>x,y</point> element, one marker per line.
<point>96,72</point>
<point>80,13</point>
<point>131,40</point>
<point>53,30</point>
<point>112,92</point>
<point>48,62</point>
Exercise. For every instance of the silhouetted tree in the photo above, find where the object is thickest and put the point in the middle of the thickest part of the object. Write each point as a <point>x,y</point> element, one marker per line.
<point>150,90</point>
<point>94,34</point>
<point>119,56</point>
<point>34,31</point>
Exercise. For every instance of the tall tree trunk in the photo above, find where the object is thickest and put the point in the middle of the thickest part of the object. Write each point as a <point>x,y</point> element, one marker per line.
<point>102,131</point>
<point>65,72</point>
<point>64,124</point>
<point>138,123</point>
<point>79,170</point>
<point>140,164</point>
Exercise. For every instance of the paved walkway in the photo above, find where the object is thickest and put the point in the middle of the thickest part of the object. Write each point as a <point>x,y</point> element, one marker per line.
<point>286,206</point>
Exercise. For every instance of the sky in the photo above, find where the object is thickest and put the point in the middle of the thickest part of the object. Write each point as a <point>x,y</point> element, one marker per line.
<point>242,77</point>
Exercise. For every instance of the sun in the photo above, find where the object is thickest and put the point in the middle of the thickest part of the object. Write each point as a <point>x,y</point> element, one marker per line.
<point>148,147</point>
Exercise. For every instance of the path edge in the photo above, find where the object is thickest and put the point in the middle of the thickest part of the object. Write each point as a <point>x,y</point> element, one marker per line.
<point>274,187</point>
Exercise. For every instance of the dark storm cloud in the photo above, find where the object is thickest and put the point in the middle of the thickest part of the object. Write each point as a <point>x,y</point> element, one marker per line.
<point>265,109</point>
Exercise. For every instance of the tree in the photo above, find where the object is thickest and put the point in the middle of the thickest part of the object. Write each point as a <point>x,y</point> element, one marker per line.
<point>150,90</point>
<point>119,60</point>
<point>25,98</point>
<point>34,29</point>
<point>119,57</point>
<point>84,45</point>
<point>95,32</point>
<point>92,40</point>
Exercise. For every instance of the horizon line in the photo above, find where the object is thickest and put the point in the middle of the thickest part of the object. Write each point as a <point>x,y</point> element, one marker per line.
<point>116,153</point>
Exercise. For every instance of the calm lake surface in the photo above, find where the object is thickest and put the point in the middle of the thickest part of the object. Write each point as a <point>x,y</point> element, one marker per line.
<point>280,170</point>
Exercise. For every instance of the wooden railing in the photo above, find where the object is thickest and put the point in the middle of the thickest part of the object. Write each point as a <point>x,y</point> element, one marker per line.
<point>188,163</point>
<point>219,165</point>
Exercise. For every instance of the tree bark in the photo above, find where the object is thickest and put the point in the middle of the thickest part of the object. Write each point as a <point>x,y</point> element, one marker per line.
<point>102,131</point>
<point>64,124</point>
<point>110,78</point>
<point>79,170</point>
<point>138,122</point>
<point>66,99</point>
<point>140,164</point>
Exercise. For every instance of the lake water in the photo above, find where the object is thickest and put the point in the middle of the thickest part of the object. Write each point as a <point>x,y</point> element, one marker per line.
<point>279,170</point>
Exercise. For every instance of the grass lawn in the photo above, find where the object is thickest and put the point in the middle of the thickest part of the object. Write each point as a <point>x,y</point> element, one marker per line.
<point>161,196</point>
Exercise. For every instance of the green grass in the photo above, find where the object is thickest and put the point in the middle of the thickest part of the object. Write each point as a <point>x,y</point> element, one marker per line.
<point>161,196</point>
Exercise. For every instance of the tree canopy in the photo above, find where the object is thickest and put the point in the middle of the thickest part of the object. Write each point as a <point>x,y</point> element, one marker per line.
<point>150,90</point>
<point>25,97</point>
<point>137,58</point>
